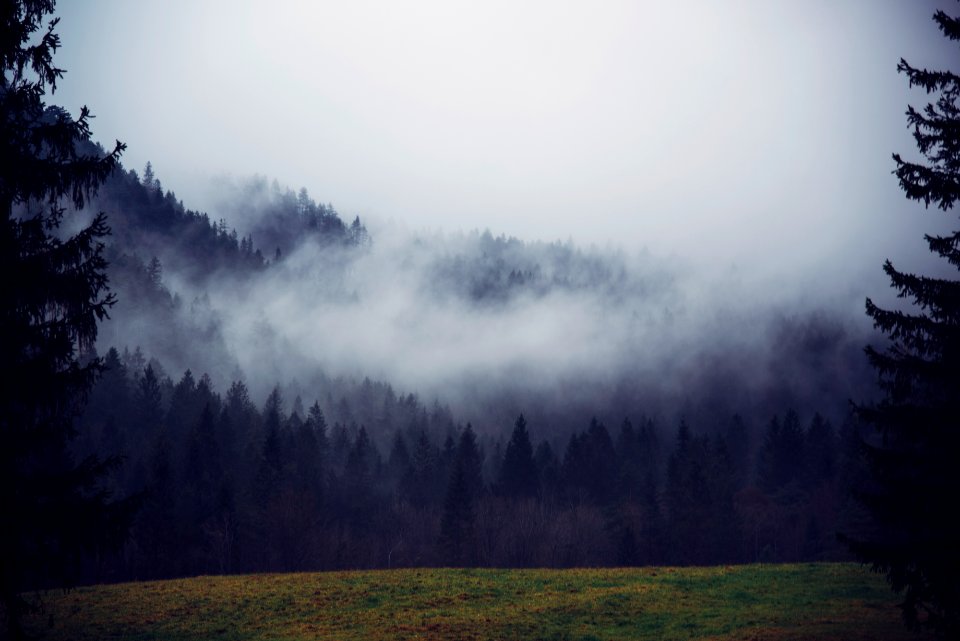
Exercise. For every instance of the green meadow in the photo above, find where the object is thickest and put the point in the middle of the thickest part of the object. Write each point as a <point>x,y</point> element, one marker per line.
<point>811,601</point>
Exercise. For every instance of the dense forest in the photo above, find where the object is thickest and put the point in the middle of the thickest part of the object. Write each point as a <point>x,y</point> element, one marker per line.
<point>611,334</point>
<point>365,478</point>
<point>381,398</point>
<point>338,471</point>
<point>319,469</point>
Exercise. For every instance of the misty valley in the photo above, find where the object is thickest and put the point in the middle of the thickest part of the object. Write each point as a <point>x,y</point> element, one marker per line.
<point>336,398</point>
<point>724,407</point>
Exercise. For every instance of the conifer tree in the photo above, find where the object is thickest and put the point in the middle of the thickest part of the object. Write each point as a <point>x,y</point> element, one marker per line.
<point>423,480</point>
<point>916,446</point>
<point>149,179</point>
<point>53,292</point>
<point>202,472</point>
<point>518,475</point>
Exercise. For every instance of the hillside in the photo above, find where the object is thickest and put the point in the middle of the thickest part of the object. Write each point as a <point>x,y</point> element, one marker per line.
<point>815,601</point>
<point>304,408</point>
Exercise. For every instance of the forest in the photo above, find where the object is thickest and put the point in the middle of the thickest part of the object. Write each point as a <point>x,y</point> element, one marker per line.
<point>231,486</point>
<point>275,389</point>
<point>342,472</point>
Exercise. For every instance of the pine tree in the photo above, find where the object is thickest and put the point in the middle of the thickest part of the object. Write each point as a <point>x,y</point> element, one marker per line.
<point>914,451</point>
<point>781,458</point>
<point>149,180</point>
<point>202,470</point>
<point>602,463</point>
<point>518,474</point>
<point>463,489</point>
<point>456,523</point>
<point>423,483</point>
<point>311,445</point>
<point>53,292</point>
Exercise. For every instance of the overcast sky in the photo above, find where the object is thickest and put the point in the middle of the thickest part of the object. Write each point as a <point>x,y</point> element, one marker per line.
<point>755,133</point>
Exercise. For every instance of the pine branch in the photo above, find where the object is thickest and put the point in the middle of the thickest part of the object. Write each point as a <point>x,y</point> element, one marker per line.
<point>948,25</point>
<point>930,81</point>
<point>926,185</point>
<point>946,246</point>
<point>940,297</point>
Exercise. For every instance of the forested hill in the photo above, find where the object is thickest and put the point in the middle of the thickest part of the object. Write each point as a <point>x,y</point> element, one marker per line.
<point>164,258</point>
<point>276,287</point>
<point>251,377</point>
<point>150,222</point>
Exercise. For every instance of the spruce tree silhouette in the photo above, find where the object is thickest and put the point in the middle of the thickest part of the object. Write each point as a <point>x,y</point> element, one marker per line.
<point>914,452</point>
<point>518,474</point>
<point>53,292</point>
<point>463,489</point>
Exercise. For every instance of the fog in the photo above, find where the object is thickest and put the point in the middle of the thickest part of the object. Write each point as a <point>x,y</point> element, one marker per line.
<point>751,133</point>
<point>702,195</point>
<point>492,326</point>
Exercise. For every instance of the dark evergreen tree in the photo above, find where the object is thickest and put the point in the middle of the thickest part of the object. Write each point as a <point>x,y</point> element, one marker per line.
<point>149,180</point>
<point>723,524</point>
<point>339,447</point>
<point>157,528</point>
<point>737,438</point>
<point>457,520</point>
<point>270,471</point>
<point>155,272</point>
<point>463,489</point>
<point>361,466</point>
<point>914,454</point>
<point>310,447</point>
<point>575,470</point>
<point>53,293</point>
<point>630,472</point>
<point>202,470</point>
<point>548,468</point>
<point>149,399</point>
<point>781,457</point>
<point>240,419</point>
<point>688,498</point>
<point>469,458</point>
<point>602,475</point>
<point>448,454</point>
<point>398,462</point>
<point>820,452</point>
<point>110,395</point>
<point>185,407</point>
<point>424,481</point>
<point>518,474</point>
<point>240,408</point>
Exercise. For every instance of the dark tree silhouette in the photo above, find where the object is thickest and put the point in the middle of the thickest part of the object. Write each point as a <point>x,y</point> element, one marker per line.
<point>53,291</point>
<point>518,474</point>
<point>781,457</point>
<point>149,180</point>
<point>457,519</point>
<point>463,489</point>
<point>914,453</point>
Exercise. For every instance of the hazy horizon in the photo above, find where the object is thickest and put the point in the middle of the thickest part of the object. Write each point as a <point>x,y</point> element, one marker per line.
<point>753,138</point>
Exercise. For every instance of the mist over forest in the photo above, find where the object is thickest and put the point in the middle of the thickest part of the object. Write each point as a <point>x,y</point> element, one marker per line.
<point>275,288</point>
<point>629,287</point>
<point>292,388</point>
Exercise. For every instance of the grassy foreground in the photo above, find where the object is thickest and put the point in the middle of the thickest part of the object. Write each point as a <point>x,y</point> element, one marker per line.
<point>814,601</point>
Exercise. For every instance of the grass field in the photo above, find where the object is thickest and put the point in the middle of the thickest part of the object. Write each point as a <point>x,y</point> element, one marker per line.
<point>814,601</point>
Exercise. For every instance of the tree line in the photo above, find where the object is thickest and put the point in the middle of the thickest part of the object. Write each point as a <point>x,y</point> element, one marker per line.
<point>220,483</point>
<point>371,479</point>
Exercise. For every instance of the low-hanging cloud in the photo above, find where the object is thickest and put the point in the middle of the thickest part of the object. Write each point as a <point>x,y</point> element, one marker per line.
<point>494,326</point>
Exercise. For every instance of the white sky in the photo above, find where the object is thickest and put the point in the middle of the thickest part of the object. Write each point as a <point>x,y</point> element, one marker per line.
<point>750,132</point>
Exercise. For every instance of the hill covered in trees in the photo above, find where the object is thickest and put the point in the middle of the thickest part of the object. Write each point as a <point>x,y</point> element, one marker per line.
<point>368,478</point>
<point>387,398</point>
<point>280,290</point>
